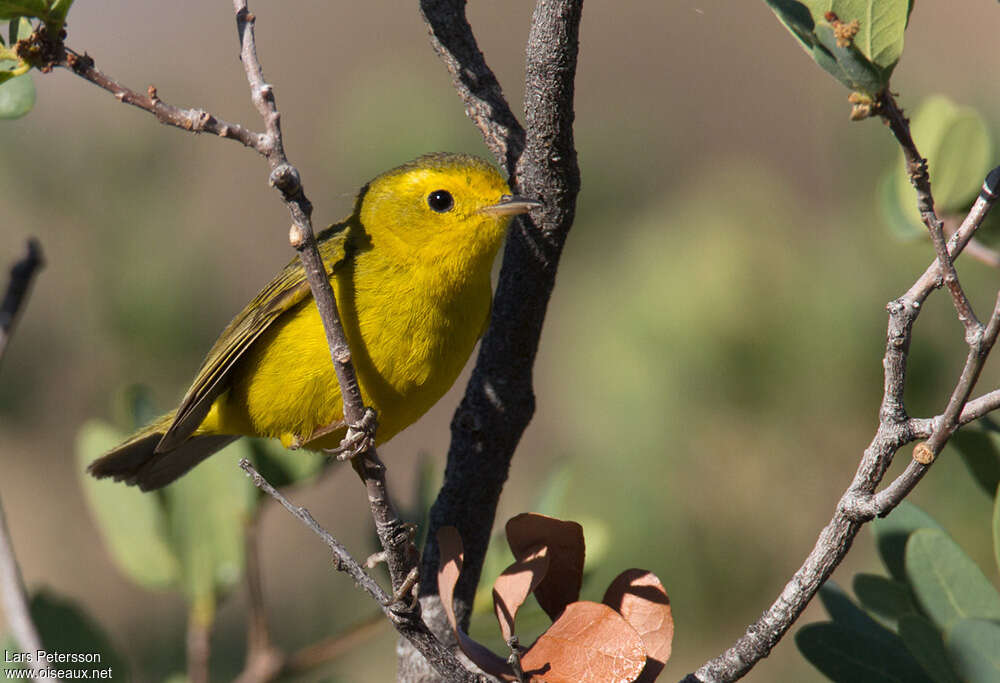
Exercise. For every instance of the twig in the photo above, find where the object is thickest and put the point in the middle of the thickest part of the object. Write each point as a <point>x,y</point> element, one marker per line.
<point>916,168</point>
<point>401,556</point>
<point>499,399</point>
<point>15,601</point>
<point>12,591</point>
<point>263,659</point>
<point>860,503</point>
<point>407,622</point>
<point>193,120</point>
<point>199,648</point>
<point>22,273</point>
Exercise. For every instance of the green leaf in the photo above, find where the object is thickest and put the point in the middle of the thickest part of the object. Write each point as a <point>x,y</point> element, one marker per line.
<point>131,522</point>
<point>845,613</point>
<point>959,149</point>
<point>924,642</point>
<point>52,12</point>
<point>881,24</point>
<point>892,532</point>
<point>866,62</point>
<point>847,656</point>
<point>282,467</point>
<point>13,9</point>
<point>65,628</point>
<point>207,510</point>
<point>887,599</point>
<point>58,9</point>
<point>946,582</point>
<point>980,450</point>
<point>900,222</point>
<point>974,646</point>
<point>17,94</point>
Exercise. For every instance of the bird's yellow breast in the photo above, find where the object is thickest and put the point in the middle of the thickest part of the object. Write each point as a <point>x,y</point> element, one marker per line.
<point>410,331</point>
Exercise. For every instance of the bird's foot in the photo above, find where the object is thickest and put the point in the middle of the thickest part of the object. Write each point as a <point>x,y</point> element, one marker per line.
<point>360,437</point>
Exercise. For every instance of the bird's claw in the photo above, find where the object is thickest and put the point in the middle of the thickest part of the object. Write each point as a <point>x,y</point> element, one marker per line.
<point>359,438</point>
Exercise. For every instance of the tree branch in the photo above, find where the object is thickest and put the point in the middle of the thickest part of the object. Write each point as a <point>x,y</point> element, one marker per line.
<point>263,660</point>
<point>916,168</point>
<point>499,399</point>
<point>407,622</point>
<point>455,44</point>
<point>860,503</point>
<point>12,591</point>
<point>22,274</point>
<point>400,554</point>
<point>15,601</point>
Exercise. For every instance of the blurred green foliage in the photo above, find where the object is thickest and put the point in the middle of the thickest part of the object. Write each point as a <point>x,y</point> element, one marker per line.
<point>958,146</point>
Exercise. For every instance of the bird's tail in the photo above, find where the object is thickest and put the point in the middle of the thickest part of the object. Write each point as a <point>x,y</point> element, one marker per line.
<point>137,462</point>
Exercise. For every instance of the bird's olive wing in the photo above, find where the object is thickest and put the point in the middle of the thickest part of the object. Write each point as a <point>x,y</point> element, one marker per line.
<point>287,289</point>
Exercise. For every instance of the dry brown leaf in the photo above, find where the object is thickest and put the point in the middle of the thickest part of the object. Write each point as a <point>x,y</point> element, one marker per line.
<point>513,586</point>
<point>561,584</point>
<point>590,643</point>
<point>640,597</point>
<point>452,555</point>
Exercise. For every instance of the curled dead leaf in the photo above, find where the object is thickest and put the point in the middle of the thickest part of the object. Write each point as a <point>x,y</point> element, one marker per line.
<point>452,554</point>
<point>513,586</point>
<point>561,584</point>
<point>641,599</point>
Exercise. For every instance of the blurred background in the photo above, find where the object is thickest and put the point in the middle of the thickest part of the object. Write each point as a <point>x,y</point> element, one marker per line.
<point>710,371</point>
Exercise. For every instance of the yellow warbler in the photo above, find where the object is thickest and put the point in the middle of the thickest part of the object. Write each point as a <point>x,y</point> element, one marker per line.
<point>410,268</point>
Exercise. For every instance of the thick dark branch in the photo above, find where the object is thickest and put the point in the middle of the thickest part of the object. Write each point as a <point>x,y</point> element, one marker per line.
<point>406,622</point>
<point>860,503</point>
<point>499,400</point>
<point>479,89</point>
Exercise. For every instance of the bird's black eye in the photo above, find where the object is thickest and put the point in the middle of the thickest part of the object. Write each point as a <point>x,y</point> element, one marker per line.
<point>440,201</point>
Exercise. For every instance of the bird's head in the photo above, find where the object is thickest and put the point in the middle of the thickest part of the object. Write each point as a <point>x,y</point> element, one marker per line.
<point>448,208</point>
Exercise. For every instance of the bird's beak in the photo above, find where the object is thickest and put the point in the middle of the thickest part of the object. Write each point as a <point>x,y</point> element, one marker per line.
<point>511,205</point>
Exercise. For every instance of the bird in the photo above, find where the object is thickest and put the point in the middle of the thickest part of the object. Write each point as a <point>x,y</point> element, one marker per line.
<point>410,269</point>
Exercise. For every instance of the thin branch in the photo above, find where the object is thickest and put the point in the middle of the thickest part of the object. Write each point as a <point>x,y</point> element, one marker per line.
<point>22,274</point>
<point>401,556</point>
<point>860,504</point>
<point>193,120</point>
<point>15,601</point>
<point>406,622</point>
<point>499,399</point>
<point>263,660</point>
<point>199,648</point>
<point>12,590</point>
<point>342,558</point>
<point>916,168</point>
